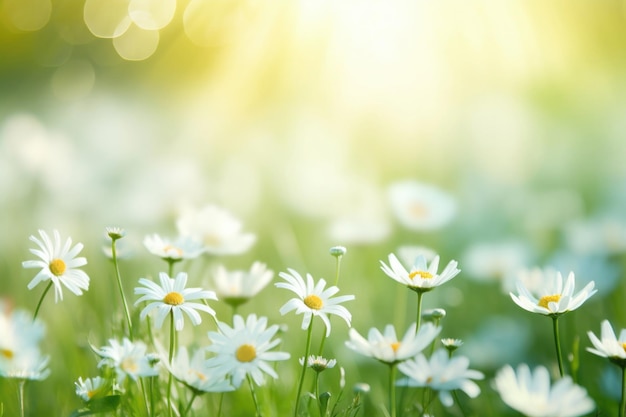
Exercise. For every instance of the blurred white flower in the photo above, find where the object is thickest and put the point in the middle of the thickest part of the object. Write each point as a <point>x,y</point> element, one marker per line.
<point>441,373</point>
<point>196,373</point>
<point>421,277</point>
<point>313,299</point>
<point>173,250</point>
<point>609,346</point>
<point>318,363</point>
<point>553,297</point>
<point>217,229</point>
<point>420,206</point>
<point>451,344</point>
<point>59,264</point>
<point>530,393</point>
<point>237,287</point>
<point>244,349</point>
<point>91,387</point>
<point>407,254</point>
<point>127,359</point>
<point>599,235</point>
<point>386,347</point>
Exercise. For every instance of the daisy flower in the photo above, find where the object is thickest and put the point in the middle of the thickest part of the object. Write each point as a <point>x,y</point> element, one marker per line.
<point>386,347</point>
<point>237,287</point>
<point>420,206</point>
<point>244,349</point>
<point>58,263</point>
<point>313,300</point>
<point>421,277</point>
<point>451,344</point>
<point>609,346</point>
<point>217,229</point>
<point>173,250</point>
<point>442,374</point>
<point>91,387</point>
<point>552,297</point>
<point>25,364</point>
<point>172,296</point>
<point>196,374</point>
<point>530,393</point>
<point>318,363</point>
<point>127,359</point>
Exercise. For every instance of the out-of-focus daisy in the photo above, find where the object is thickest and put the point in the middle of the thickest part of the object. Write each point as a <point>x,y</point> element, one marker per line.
<point>609,346</point>
<point>451,344</point>
<point>313,299</point>
<point>420,206</point>
<point>115,233</point>
<point>244,349</point>
<point>552,298</point>
<point>530,393</point>
<point>318,363</point>
<point>172,296</point>
<point>90,388</point>
<point>387,348</point>
<point>58,264</point>
<point>237,287</point>
<point>217,229</point>
<point>28,364</point>
<point>407,254</point>
<point>600,235</point>
<point>421,277</point>
<point>173,250</point>
<point>442,374</point>
<point>196,374</point>
<point>127,359</point>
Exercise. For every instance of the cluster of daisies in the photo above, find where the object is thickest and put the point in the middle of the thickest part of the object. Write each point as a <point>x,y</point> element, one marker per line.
<point>168,377</point>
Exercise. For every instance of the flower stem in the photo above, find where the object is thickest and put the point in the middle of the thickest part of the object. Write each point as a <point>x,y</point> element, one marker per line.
<point>20,392</point>
<point>219,408</point>
<point>337,269</point>
<point>304,364</point>
<point>171,356</point>
<point>392,389</point>
<point>418,319</point>
<point>557,342</point>
<point>254,399</point>
<point>193,397</point>
<point>119,285</point>
<point>41,299</point>
<point>622,405</point>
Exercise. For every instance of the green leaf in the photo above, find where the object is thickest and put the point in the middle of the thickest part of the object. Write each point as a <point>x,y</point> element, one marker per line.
<point>98,405</point>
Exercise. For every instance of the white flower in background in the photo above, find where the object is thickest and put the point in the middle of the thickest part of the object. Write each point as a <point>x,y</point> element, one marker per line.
<point>407,254</point>
<point>318,363</point>
<point>173,250</point>
<point>609,346</point>
<point>196,374</point>
<point>386,347</point>
<point>596,236</point>
<point>313,299</point>
<point>216,229</point>
<point>420,206</point>
<point>244,349</point>
<point>172,296</point>
<point>552,297</point>
<point>530,393</point>
<point>236,287</point>
<point>90,388</point>
<point>59,264</point>
<point>451,344</point>
<point>28,364</point>
<point>441,373</point>
<point>421,277</point>
<point>128,359</point>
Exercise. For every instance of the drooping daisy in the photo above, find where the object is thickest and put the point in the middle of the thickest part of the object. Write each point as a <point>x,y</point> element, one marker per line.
<point>419,206</point>
<point>173,250</point>
<point>552,298</point>
<point>58,264</point>
<point>422,277</point>
<point>172,296</point>
<point>609,346</point>
<point>90,388</point>
<point>217,229</point>
<point>237,287</point>
<point>442,374</point>
<point>386,347</point>
<point>530,393</point>
<point>196,373</point>
<point>127,359</point>
<point>244,349</point>
<point>312,299</point>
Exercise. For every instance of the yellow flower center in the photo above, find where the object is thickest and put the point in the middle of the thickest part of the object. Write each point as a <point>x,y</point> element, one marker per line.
<point>91,393</point>
<point>314,302</point>
<point>624,346</point>
<point>57,267</point>
<point>7,353</point>
<point>245,353</point>
<point>418,210</point>
<point>429,379</point>
<point>129,366</point>
<point>200,375</point>
<point>395,346</point>
<point>170,248</point>
<point>173,298</point>
<point>422,274</point>
<point>546,299</point>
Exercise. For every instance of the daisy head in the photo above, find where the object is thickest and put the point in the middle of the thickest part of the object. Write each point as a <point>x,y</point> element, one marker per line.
<point>128,359</point>
<point>313,299</point>
<point>318,363</point>
<point>451,344</point>
<point>58,263</point>
<point>91,388</point>
<point>245,349</point>
<point>387,348</point>
<point>441,373</point>
<point>115,233</point>
<point>608,345</point>
<point>420,206</point>
<point>422,276</point>
<point>172,297</point>
<point>237,287</point>
<point>552,297</point>
<point>173,250</point>
<point>196,374</point>
<point>530,393</point>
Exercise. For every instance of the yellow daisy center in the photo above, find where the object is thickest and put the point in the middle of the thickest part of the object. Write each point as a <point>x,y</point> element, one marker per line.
<point>418,210</point>
<point>170,248</point>
<point>245,353</point>
<point>314,302</point>
<point>422,274</point>
<point>129,366</point>
<point>200,375</point>
<point>624,346</point>
<point>57,267</point>
<point>173,298</point>
<point>395,346</point>
<point>91,393</point>
<point>7,353</point>
<point>546,299</point>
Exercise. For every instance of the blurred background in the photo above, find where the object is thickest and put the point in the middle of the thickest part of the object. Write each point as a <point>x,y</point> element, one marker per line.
<point>299,117</point>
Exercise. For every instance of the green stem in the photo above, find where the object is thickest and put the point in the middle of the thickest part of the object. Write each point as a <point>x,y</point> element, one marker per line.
<point>418,319</point>
<point>20,392</point>
<point>337,269</point>
<point>41,299</point>
<point>254,399</point>
<point>555,326</point>
<point>219,407</point>
<point>171,356</point>
<point>145,396</point>
<point>317,392</point>
<point>392,389</point>
<point>193,397</point>
<point>304,366</point>
<point>622,405</point>
<point>121,289</point>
